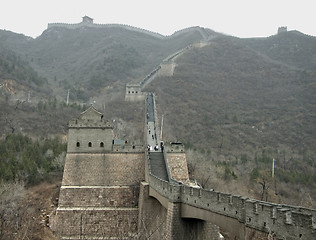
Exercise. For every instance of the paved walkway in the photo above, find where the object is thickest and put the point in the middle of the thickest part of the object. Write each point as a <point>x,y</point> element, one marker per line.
<point>152,132</point>
<point>152,135</point>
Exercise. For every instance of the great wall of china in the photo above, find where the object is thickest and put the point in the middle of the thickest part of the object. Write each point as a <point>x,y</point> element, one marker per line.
<point>88,22</point>
<point>114,191</point>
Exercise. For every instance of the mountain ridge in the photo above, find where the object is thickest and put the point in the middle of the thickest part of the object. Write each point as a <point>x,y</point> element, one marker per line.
<point>235,103</point>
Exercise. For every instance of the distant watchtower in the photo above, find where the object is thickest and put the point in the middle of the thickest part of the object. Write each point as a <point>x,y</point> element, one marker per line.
<point>87,19</point>
<point>282,29</point>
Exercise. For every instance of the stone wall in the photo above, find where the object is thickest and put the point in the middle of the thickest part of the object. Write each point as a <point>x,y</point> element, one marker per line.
<point>95,25</point>
<point>152,216</point>
<point>111,169</point>
<point>178,167</point>
<point>99,196</point>
<point>280,221</point>
<point>178,227</point>
<point>133,92</point>
<point>166,69</point>
<point>90,140</point>
<point>100,223</point>
<point>89,133</point>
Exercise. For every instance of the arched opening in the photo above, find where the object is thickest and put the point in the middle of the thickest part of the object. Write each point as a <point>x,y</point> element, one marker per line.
<point>101,144</point>
<point>90,144</point>
<point>78,144</point>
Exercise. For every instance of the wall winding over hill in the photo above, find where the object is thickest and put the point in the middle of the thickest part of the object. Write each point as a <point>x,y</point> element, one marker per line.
<point>94,25</point>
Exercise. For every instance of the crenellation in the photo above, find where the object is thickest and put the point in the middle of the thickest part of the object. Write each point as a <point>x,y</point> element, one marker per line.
<point>302,220</point>
<point>263,216</point>
<point>174,147</point>
<point>129,148</point>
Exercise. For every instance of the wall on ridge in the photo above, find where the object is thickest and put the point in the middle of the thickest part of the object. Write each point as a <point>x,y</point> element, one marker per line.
<point>94,25</point>
<point>166,69</point>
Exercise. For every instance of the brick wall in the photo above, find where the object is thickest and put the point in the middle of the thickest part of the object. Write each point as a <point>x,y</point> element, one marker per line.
<point>99,195</point>
<point>152,216</point>
<point>95,222</point>
<point>113,169</point>
<point>178,167</point>
<point>90,140</point>
<point>123,196</point>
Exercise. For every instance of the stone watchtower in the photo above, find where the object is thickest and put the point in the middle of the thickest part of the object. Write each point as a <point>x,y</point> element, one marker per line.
<point>89,133</point>
<point>100,187</point>
<point>87,19</point>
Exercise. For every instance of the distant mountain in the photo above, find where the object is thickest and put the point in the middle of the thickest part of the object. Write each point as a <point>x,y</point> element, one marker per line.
<point>87,59</point>
<point>239,101</point>
<point>293,48</point>
<point>17,75</point>
<point>234,98</point>
<point>230,84</point>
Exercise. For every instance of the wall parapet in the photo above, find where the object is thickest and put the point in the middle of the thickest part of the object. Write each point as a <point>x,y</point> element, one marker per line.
<point>263,216</point>
<point>128,148</point>
<point>96,25</point>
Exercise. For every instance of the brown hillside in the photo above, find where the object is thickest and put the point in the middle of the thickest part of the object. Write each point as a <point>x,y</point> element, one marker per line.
<point>240,110</point>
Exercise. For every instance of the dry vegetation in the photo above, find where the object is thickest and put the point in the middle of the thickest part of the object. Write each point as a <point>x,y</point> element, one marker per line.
<point>236,104</point>
<point>237,110</point>
<point>24,213</point>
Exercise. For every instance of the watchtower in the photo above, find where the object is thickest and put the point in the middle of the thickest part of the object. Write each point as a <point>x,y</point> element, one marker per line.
<point>282,29</point>
<point>90,133</point>
<point>87,19</point>
<point>99,194</point>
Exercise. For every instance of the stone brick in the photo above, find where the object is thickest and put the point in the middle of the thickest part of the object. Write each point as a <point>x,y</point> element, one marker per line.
<point>111,169</point>
<point>100,188</point>
<point>178,167</point>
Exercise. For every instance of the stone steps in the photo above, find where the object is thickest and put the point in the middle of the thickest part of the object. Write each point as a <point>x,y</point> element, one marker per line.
<point>158,165</point>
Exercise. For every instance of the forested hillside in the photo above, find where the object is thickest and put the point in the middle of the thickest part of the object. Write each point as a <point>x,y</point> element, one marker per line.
<point>293,48</point>
<point>237,104</point>
<point>87,60</point>
<point>237,109</point>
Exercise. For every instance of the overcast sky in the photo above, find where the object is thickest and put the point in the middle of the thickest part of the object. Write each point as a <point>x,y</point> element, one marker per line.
<point>241,18</point>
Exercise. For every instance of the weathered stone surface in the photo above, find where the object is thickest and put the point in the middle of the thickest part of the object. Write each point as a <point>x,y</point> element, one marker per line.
<point>178,167</point>
<point>100,188</point>
<point>109,169</point>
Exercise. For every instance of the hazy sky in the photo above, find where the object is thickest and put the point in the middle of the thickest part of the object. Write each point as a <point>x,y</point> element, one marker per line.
<point>241,18</point>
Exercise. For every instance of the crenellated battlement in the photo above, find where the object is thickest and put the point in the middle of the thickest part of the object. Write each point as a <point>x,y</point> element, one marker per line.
<point>277,219</point>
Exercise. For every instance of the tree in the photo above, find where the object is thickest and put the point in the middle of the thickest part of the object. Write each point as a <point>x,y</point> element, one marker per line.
<point>263,178</point>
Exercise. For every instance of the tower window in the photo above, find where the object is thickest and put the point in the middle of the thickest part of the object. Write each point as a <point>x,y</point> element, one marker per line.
<point>78,144</point>
<point>90,144</point>
<point>101,144</point>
